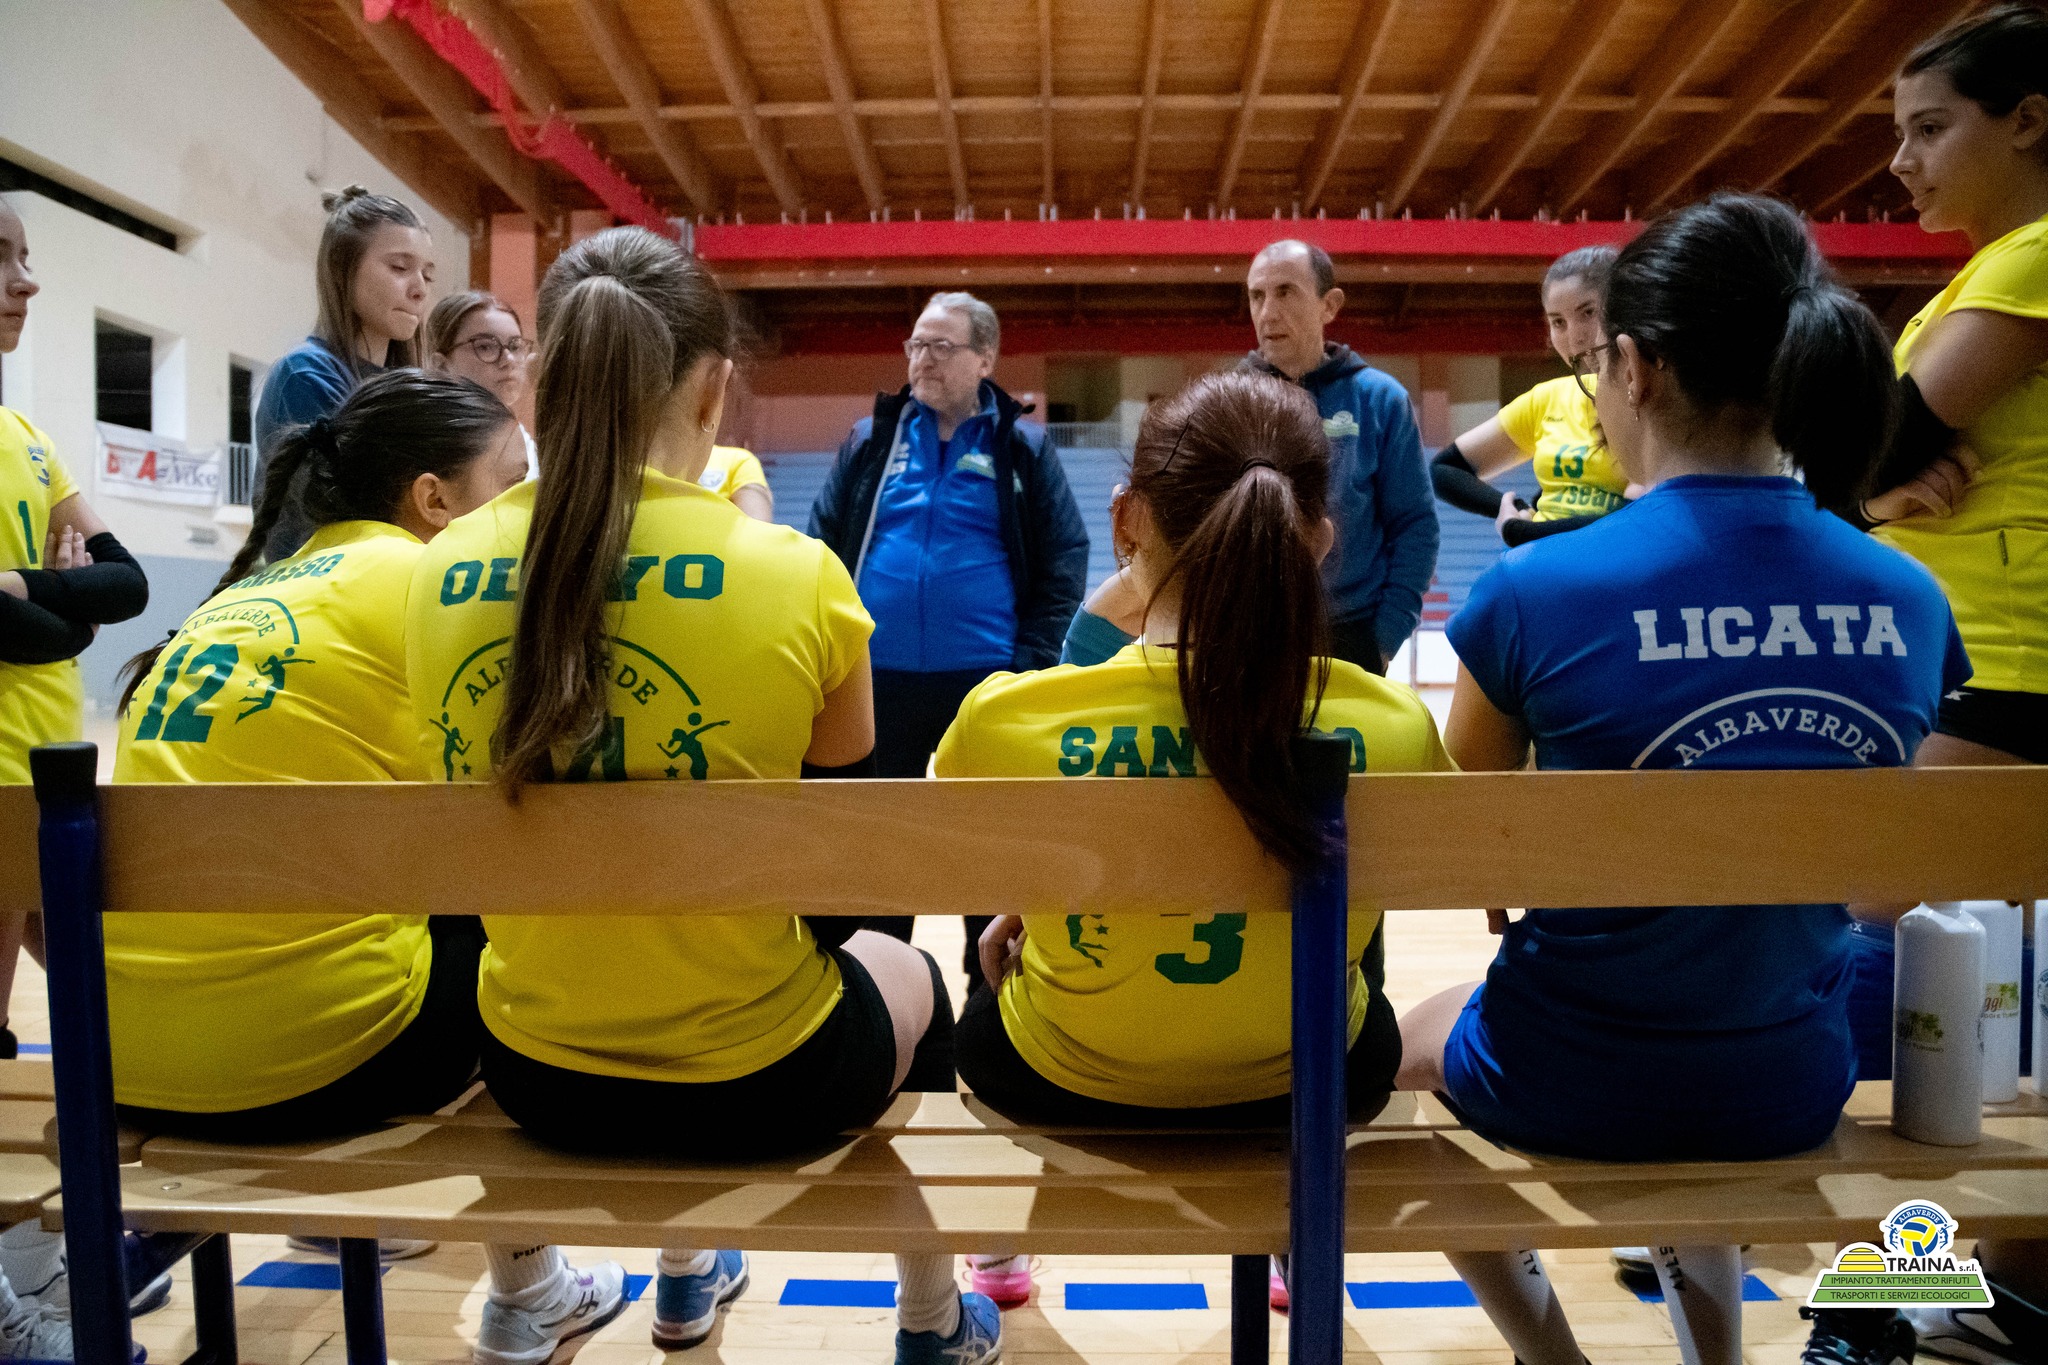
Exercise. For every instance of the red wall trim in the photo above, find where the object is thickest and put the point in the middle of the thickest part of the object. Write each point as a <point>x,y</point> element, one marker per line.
<point>1483,334</point>
<point>1514,239</point>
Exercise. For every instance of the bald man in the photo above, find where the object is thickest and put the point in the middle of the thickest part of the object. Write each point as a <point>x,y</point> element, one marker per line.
<point>1379,488</point>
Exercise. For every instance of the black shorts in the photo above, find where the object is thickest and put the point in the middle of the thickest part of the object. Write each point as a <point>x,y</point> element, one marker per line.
<point>838,1078</point>
<point>2013,723</point>
<point>426,1066</point>
<point>1001,1078</point>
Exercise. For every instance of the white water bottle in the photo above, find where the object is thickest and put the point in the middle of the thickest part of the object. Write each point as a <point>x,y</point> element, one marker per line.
<point>2003,994</point>
<point>2041,998</point>
<point>1937,1027</point>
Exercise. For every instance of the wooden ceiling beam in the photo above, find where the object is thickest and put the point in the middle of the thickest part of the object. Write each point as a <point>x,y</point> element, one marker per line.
<point>1478,48</point>
<point>448,98</point>
<point>1225,102</point>
<point>1679,50</point>
<point>518,54</point>
<point>605,25</point>
<point>1565,65</point>
<point>1833,176</point>
<point>1148,97</point>
<point>1045,93</point>
<point>1258,57</point>
<point>1361,63</point>
<point>1847,93</point>
<point>1783,51</point>
<point>942,86</point>
<point>839,81</point>
<point>347,99</point>
<point>722,46</point>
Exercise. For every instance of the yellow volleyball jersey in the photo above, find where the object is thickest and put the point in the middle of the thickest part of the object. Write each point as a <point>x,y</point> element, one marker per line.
<point>295,674</point>
<point>730,469</point>
<point>39,703</point>
<point>729,634</point>
<point>1554,424</point>
<point>1991,556</point>
<point>1162,1010</point>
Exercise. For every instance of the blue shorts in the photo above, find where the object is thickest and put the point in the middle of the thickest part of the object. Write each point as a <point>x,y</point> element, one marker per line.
<point>1643,1095</point>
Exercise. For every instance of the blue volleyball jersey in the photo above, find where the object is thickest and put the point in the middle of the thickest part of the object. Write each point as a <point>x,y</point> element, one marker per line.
<point>1717,622</point>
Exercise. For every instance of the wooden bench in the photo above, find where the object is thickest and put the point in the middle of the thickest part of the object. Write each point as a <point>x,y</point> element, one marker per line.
<point>941,1172</point>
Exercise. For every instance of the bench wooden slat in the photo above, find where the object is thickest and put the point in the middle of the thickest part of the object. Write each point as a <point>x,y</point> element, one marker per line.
<point>916,847</point>
<point>27,1181</point>
<point>1065,1220</point>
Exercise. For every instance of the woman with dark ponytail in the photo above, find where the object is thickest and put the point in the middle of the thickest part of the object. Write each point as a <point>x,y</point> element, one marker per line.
<point>1171,1020</point>
<point>1720,621</point>
<point>296,1027</point>
<point>616,620</point>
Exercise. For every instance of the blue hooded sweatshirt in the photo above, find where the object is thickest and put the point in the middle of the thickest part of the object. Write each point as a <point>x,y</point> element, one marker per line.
<point>1380,496</point>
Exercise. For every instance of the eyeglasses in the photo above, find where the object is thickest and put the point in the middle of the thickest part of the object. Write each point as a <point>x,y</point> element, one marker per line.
<point>1586,364</point>
<point>940,351</point>
<point>489,349</point>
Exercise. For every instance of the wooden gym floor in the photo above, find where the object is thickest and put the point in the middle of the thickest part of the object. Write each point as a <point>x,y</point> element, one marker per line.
<point>432,1304</point>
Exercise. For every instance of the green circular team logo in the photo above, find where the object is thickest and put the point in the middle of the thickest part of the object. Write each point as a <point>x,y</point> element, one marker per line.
<point>1916,1265</point>
<point>658,721</point>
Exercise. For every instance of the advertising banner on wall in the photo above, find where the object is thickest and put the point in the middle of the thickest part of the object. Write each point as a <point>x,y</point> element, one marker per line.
<point>152,468</point>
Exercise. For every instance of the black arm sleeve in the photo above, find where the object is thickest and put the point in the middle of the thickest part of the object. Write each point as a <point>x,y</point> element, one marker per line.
<point>1521,531</point>
<point>111,588</point>
<point>832,931</point>
<point>31,635</point>
<point>1920,440</point>
<point>1458,484</point>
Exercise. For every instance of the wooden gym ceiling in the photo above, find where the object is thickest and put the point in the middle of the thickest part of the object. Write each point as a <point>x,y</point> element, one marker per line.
<point>766,108</point>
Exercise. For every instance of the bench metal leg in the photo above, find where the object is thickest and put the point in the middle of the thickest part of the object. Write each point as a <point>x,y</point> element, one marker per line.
<point>68,841</point>
<point>213,1303</point>
<point>1251,1321</point>
<point>362,1301</point>
<point>1315,1273</point>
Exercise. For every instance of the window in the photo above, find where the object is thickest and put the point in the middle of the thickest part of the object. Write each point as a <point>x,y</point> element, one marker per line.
<point>122,369</point>
<point>241,465</point>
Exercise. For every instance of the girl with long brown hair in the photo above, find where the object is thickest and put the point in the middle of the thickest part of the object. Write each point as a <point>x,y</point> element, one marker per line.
<point>616,620</point>
<point>371,277</point>
<point>1151,1019</point>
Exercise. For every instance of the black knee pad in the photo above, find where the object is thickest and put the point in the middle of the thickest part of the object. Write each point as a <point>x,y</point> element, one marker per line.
<point>931,1066</point>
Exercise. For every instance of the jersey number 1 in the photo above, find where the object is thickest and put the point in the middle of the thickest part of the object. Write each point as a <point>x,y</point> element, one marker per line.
<point>28,532</point>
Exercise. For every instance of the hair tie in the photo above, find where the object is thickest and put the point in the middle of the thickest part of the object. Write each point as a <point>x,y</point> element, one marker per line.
<point>1792,295</point>
<point>1256,462</point>
<point>320,431</point>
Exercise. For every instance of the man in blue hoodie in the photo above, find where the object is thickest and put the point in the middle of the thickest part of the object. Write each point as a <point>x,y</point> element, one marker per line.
<point>1380,495</point>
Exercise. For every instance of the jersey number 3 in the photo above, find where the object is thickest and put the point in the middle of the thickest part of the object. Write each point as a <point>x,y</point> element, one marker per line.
<point>1224,936</point>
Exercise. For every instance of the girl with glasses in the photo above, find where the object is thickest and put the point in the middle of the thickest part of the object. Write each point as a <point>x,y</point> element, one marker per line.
<point>477,336</point>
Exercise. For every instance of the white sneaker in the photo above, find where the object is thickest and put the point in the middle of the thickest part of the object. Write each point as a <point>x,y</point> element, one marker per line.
<point>1970,1334</point>
<point>31,1332</point>
<point>388,1248</point>
<point>584,1301</point>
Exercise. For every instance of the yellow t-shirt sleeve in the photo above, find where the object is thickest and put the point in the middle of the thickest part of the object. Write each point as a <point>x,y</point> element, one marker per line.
<point>2012,278</point>
<point>843,623</point>
<point>746,471</point>
<point>951,758</point>
<point>61,486</point>
<point>1522,419</point>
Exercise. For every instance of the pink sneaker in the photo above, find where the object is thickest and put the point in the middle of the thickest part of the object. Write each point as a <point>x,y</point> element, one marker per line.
<point>1006,1280</point>
<point>1276,1289</point>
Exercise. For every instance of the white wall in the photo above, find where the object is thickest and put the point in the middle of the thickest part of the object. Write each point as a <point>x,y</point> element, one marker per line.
<point>171,109</point>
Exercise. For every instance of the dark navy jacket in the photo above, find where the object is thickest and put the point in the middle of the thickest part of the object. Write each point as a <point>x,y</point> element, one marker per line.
<point>1041,525</point>
<point>1380,497</point>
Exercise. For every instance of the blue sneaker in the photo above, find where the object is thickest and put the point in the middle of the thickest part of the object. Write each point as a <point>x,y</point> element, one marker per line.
<point>976,1341</point>
<point>686,1306</point>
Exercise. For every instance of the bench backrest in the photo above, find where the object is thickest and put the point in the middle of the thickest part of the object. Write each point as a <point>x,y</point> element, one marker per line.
<point>931,847</point>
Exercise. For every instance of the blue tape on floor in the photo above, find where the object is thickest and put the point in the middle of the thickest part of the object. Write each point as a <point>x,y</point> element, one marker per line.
<point>1410,1294</point>
<point>839,1294</point>
<point>32,1049</point>
<point>296,1275</point>
<point>636,1285</point>
<point>1753,1291</point>
<point>1136,1296</point>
